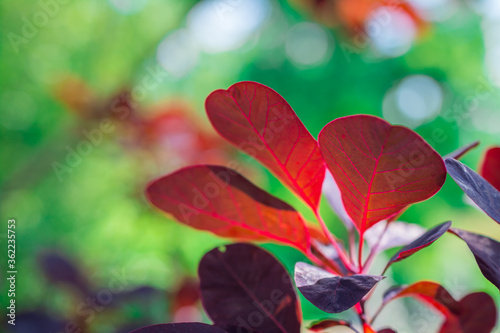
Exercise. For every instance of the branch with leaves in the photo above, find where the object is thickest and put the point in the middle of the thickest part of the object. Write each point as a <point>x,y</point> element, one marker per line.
<point>369,170</point>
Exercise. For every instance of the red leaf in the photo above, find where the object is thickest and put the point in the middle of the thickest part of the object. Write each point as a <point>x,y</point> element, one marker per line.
<point>260,122</point>
<point>475,313</point>
<point>380,168</point>
<point>427,291</point>
<point>321,325</point>
<point>220,200</point>
<point>368,329</point>
<point>490,168</point>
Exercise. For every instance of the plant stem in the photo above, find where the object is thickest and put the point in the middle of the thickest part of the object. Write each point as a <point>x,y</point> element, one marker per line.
<point>342,255</point>
<point>352,243</point>
<point>377,313</point>
<point>360,252</point>
<point>329,265</point>
<point>373,251</point>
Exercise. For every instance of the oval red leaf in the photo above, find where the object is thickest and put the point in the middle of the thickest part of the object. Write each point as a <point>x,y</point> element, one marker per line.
<point>245,289</point>
<point>257,120</point>
<point>490,168</point>
<point>220,200</point>
<point>477,314</point>
<point>379,168</point>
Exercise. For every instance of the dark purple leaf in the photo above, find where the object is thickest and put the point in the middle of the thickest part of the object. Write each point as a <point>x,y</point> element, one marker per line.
<point>180,328</point>
<point>34,321</point>
<point>387,330</point>
<point>60,270</point>
<point>486,252</point>
<point>330,293</point>
<point>244,288</point>
<point>462,151</point>
<point>476,187</point>
<point>423,241</point>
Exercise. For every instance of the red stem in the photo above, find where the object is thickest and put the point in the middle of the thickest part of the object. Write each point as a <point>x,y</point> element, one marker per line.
<point>342,255</point>
<point>360,252</point>
<point>373,251</point>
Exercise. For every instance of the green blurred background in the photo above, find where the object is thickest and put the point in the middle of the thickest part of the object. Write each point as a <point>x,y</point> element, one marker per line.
<point>138,72</point>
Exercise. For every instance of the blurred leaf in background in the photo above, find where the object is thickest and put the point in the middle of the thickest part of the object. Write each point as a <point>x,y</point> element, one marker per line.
<point>98,98</point>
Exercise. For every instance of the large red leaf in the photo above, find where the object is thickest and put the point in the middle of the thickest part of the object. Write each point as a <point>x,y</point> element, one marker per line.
<point>220,200</point>
<point>260,122</point>
<point>380,168</point>
<point>490,168</point>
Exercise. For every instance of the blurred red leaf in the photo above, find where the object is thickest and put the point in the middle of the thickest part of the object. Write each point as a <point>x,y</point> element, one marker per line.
<point>475,313</point>
<point>260,122</point>
<point>353,15</point>
<point>177,138</point>
<point>428,291</point>
<point>184,301</point>
<point>380,168</point>
<point>490,167</point>
<point>321,325</point>
<point>220,200</point>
